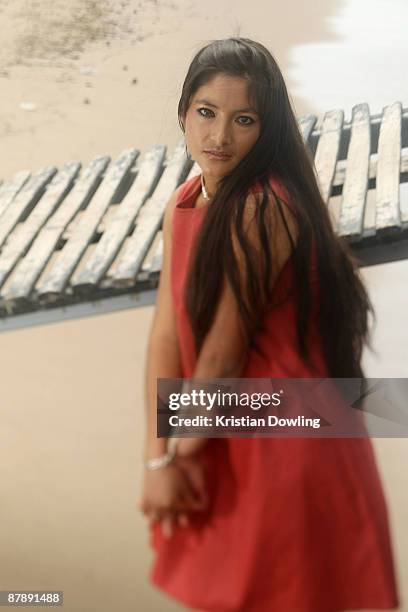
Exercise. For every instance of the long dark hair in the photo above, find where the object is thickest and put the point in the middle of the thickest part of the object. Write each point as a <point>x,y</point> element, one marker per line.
<point>280,150</point>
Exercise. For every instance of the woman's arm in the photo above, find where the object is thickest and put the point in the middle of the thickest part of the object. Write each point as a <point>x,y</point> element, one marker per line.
<point>163,353</point>
<point>225,350</point>
<point>170,492</point>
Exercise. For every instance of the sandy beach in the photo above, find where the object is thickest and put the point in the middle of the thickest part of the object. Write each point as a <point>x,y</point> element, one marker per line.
<point>66,97</point>
<point>77,80</point>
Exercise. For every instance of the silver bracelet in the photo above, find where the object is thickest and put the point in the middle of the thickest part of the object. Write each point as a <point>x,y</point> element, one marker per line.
<point>158,462</point>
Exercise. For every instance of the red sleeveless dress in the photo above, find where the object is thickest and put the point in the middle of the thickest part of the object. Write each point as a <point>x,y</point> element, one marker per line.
<point>294,524</point>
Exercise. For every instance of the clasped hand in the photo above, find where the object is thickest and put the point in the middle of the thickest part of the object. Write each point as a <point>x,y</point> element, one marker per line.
<point>172,492</point>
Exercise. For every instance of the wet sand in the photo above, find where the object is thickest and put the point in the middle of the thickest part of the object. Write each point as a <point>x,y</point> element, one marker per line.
<point>72,392</point>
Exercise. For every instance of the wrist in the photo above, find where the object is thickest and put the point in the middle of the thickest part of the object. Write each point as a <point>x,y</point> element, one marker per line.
<point>155,463</point>
<point>155,448</point>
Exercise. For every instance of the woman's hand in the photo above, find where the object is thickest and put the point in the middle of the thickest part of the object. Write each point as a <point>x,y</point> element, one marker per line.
<point>172,491</point>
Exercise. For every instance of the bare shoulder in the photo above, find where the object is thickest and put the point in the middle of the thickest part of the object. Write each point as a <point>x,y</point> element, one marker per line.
<point>278,217</point>
<point>272,222</point>
<point>284,217</point>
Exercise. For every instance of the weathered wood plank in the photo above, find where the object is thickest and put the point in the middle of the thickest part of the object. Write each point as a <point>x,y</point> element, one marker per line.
<point>108,216</point>
<point>24,201</point>
<point>153,260</point>
<point>22,236</point>
<point>327,151</point>
<point>369,215</point>
<point>122,222</point>
<point>306,125</point>
<point>356,181</point>
<point>9,189</point>
<point>157,258</point>
<point>54,283</point>
<point>72,226</point>
<point>124,269</point>
<point>29,269</point>
<point>388,169</point>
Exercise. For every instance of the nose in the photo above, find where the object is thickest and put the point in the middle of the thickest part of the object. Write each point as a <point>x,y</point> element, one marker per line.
<point>221,134</point>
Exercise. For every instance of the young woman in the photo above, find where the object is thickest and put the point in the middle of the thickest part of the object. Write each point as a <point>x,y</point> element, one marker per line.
<point>256,284</point>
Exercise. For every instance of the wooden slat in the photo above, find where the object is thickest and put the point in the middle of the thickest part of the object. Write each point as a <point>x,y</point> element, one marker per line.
<point>306,125</point>
<point>24,201</point>
<point>388,169</point>
<point>109,216</point>
<point>23,235</point>
<point>369,215</point>
<point>356,181</point>
<point>119,227</point>
<point>327,151</point>
<point>55,281</point>
<point>124,269</point>
<point>29,269</point>
<point>152,263</point>
<point>72,226</point>
<point>157,258</point>
<point>9,189</point>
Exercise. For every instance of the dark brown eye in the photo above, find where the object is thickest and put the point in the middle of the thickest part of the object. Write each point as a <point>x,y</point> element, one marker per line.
<point>251,121</point>
<point>203,109</point>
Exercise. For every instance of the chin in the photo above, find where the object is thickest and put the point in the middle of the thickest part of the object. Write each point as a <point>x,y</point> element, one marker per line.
<point>215,171</point>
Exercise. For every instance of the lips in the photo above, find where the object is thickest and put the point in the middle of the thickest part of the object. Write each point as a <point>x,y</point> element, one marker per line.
<point>217,154</point>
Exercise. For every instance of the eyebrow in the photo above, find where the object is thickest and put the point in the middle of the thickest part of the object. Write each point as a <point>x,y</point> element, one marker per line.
<point>241,110</point>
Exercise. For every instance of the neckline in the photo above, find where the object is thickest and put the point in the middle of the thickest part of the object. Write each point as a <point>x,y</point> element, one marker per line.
<point>191,195</point>
<point>193,188</point>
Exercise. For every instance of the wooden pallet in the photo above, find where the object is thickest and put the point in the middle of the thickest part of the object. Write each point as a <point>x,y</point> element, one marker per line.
<point>74,235</point>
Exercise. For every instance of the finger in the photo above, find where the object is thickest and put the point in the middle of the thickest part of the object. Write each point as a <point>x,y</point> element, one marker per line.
<point>167,526</point>
<point>196,477</point>
<point>190,502</point>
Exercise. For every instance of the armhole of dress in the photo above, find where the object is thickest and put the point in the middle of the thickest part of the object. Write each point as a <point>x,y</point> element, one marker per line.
<point>185,188</point>
<point>181,191</point>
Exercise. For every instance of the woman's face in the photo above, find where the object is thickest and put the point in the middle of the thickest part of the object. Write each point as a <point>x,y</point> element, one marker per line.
<point>221,118</point>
